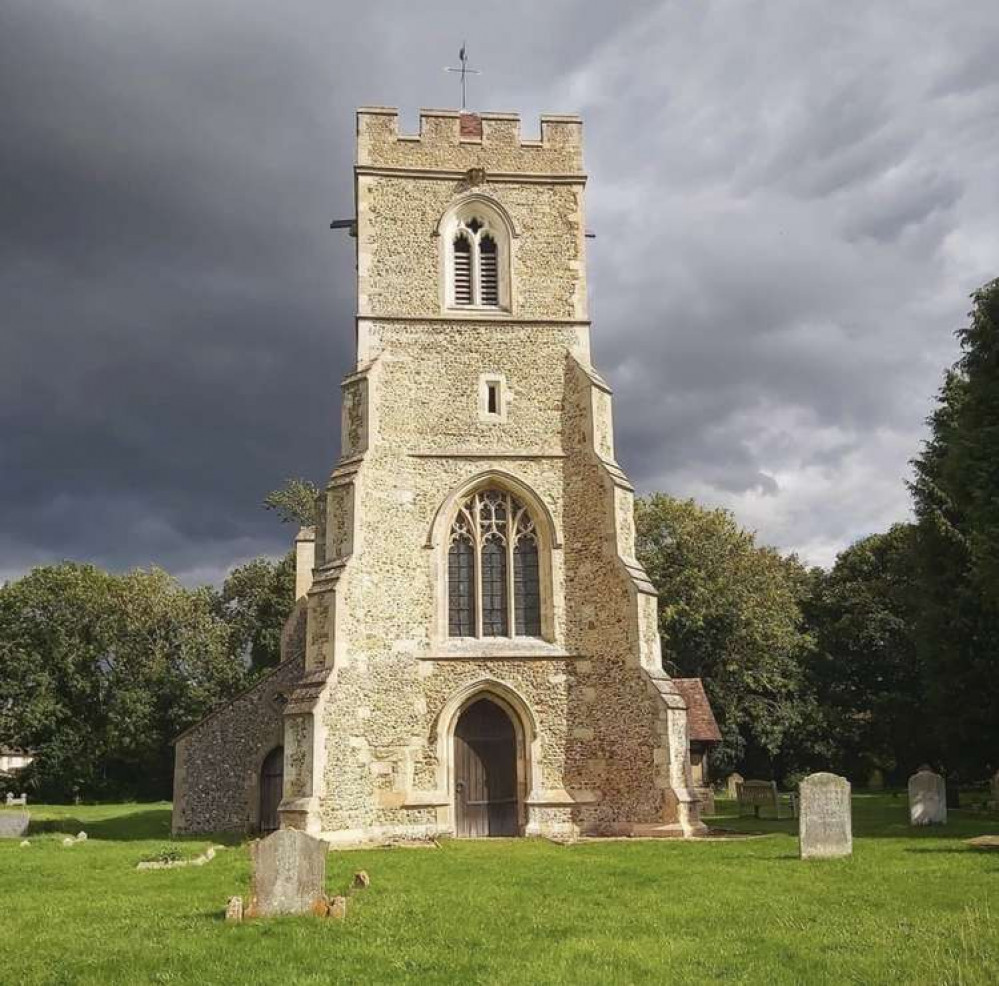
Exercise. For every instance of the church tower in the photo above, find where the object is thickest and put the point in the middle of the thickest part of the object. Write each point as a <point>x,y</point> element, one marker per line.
<point>481,650</point>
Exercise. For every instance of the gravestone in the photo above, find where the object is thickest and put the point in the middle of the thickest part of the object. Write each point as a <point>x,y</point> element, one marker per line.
<point>732,784</point>
<point>825,829</point>
<point>14,824</point>
<point>289,871</point>
<point>995,790</point>
<point>876,780</point>
<point>927,798</point>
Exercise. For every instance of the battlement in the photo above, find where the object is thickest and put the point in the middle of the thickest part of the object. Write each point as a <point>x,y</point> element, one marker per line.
<point>452,140</point>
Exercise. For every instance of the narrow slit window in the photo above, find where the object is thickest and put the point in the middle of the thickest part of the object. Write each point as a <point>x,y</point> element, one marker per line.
<point>492,396</point>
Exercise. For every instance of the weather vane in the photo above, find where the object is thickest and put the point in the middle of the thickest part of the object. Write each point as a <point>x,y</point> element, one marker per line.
<point>464,70</point>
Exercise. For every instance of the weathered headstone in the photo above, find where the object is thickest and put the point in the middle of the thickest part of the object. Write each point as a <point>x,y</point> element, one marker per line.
<point>289,871</point>
<point>995,791</point>
<point>337,908</point>
<point>876,780</point>
<point>927,798</point>
<point>14,824</point>
<point>732,783</point>
<point>825,828</point>
<point>234,910</point>
<point>361,880</point>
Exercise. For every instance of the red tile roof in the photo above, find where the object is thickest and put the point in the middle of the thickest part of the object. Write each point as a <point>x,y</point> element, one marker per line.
<point>701,724</point>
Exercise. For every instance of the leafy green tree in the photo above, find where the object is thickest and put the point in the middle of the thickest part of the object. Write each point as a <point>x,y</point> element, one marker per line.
<point>729,612</point>
<point>295,502</point>
<point>99,672</point>
<point>259,597</point>
<point>956,498</point>
<point>865,668</point>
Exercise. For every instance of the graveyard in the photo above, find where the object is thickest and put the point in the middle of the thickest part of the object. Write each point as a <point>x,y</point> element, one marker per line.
<point>912,904</point>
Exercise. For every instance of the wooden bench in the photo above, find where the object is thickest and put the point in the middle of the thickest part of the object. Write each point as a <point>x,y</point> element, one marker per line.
<point>762,794</point>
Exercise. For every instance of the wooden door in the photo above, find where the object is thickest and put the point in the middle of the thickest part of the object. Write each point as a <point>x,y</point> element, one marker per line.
<point>485,768</point>
<point>271,785</point>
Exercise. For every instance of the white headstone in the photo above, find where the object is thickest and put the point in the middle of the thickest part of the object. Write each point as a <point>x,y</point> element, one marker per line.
<point>14,824</point>
<point>927,798</point>
<point>731,784</point>
<point>289,873</point>
<point>825,829</point>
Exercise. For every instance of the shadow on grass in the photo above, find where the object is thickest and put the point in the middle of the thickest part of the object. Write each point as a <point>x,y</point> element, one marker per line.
<point>129,826</point>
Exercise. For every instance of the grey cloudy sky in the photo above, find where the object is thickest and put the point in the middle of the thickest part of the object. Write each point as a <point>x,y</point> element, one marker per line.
<point>792,204</point>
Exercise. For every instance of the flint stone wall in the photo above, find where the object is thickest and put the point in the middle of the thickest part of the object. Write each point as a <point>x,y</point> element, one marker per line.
<point>217,762</point>
<point>603,747</point>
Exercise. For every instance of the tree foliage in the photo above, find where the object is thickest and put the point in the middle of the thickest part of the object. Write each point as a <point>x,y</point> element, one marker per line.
<point>956,499</point>
<point>295,502</point>
<point>99,672</point>
<point>729,612</point>
<point>259,597</point>
<point>864,668</point>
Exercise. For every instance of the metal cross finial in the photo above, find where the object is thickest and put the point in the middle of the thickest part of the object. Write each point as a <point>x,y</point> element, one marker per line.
<point>464,70</point>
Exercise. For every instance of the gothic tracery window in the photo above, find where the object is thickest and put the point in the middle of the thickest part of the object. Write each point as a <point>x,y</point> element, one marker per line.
<point>493,568</point>
<point>475,264</point>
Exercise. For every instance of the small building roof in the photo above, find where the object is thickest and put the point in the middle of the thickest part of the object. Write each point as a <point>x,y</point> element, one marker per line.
<point>701,724</point>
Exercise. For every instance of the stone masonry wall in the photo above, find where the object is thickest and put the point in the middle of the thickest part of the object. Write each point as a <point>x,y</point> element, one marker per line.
<point>217,762</point>
<point>600,743</point>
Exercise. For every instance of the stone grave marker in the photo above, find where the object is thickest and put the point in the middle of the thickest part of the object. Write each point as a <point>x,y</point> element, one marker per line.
<point>14,824</point>
<point>927,798</point>
<point>732,783</point>
<point>995,791</point>
<point>825,827</point>
<point>289,871</point>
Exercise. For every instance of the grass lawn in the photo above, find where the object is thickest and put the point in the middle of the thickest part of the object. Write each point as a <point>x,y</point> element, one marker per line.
<point>909,907</point>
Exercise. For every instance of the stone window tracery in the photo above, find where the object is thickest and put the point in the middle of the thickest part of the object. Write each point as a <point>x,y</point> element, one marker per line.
<point>493,568</point>
<point>476,256</point>
<point>475,266</point>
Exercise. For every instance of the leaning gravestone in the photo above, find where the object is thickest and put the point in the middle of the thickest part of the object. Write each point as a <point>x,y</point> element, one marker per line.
<point>732,783</point>
<point>289,872</point>
<point>825,830</point>
<point>14,824</point>
<point>927,798</point>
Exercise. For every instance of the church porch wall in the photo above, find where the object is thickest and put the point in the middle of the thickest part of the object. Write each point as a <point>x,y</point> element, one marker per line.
<point>219,760</point>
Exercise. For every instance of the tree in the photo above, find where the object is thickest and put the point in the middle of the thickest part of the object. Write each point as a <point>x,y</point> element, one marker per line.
<point>295,502</point>
<point>729,613</point>
<point>99,672</point>
<point>864,667</point>
<point>956,499</point>
<point>259,597</point>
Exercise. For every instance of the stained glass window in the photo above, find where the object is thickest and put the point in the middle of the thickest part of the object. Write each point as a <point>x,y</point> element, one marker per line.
<point>493,568</point>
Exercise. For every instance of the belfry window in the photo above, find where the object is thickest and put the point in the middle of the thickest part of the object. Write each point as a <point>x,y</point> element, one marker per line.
<point>494,588</point>
<point>475,265</point>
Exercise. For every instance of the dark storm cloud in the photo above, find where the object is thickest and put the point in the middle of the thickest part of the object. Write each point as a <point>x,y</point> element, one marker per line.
<point>791,207</point>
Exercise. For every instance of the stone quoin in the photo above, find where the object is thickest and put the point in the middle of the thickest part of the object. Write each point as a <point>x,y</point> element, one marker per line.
<point>479,651</point>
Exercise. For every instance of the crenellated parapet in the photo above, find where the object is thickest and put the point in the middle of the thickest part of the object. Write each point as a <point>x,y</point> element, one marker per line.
<point>455,141</point>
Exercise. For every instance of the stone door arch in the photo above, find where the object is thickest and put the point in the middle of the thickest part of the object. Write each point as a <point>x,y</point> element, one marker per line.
<point>486,791</point>
<point>271,787</point>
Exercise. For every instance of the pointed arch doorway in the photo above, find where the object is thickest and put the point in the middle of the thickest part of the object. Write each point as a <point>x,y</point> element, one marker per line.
<point>485,772</point>
<point>271,785</point>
